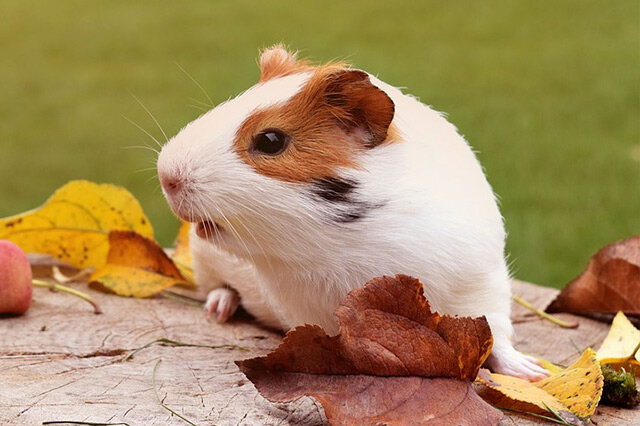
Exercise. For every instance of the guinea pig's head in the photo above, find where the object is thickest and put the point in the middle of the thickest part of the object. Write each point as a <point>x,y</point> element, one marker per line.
<point>261,172</point>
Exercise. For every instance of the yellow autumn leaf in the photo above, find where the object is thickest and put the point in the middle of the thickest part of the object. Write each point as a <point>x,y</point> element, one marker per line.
<point>136,267</point>
<point>514,393</point>
<point>572,392</point>
<point>73,225</point>
<point>182,252</point>
<point>621,344</point>
<point>579,387</point>
<point>128,281</point>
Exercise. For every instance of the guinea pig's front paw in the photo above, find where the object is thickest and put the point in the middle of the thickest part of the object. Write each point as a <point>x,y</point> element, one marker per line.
<point>222,302</point>
<point>510,362</point>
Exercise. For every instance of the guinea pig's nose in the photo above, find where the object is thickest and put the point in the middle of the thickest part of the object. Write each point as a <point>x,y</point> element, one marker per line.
<point>171,182</point>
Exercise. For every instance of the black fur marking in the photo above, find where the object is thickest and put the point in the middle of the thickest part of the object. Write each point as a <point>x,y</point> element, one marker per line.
<point>340,194</point>
<point>334,189</point>
<point>352,215</point>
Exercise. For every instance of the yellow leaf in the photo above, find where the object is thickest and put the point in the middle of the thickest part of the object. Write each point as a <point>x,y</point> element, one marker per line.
<point>621,343</point>
<point>182,252</point>
<point>518,394</point>
<point>73,225</point>
<point>579,387</point>
<point>131,282</point>
<point>574,391</point>
<point>136,267</point>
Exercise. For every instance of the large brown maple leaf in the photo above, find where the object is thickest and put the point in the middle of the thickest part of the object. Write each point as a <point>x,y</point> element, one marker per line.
<point>394,362</point>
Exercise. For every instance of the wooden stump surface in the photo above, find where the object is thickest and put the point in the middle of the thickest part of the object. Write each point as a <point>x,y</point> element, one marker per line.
<point>62,362</point>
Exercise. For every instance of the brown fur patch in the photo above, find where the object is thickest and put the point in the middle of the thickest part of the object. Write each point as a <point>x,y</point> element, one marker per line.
<point>337,115</point>
<point>277,61</point>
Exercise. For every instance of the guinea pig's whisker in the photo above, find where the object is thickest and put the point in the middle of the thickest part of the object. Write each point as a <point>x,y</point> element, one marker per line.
<point>232,229</point>
<point>214,228</point>
<point>143,131</point>
<point>200,103</point>
<point>199,108</point>
<point>209,223</point>
<point>150,178</point>
<point>152,117</point>
<point>145,147</point>
<point>190,77</point>
<point>235,232</point>
<point>146,169</point>
<point>264,253</point>
<point>281,230</point>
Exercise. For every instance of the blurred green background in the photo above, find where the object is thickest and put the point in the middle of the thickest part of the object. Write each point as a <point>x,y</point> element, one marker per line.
<point>548,93</point>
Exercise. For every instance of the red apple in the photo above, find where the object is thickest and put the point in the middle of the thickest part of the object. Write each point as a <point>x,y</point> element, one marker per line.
<point>16,285</point>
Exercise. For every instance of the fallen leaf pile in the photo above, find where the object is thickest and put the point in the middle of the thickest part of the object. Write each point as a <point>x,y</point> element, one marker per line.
<point>610,283</point>
<point>571,394</point>
<point>101,226</point>
<point>394,361</point>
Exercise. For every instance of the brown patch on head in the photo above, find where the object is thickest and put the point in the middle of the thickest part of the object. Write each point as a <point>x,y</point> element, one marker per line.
<point>338,114</point>
<point>277,61</point>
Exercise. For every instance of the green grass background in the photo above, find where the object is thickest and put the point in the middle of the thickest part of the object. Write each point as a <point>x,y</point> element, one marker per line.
<point>546,91</point>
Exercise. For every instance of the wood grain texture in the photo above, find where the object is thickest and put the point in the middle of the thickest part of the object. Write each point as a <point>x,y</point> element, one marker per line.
<point>72,370</point>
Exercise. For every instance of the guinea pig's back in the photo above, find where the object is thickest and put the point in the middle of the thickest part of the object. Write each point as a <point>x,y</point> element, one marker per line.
<point>437,162</point>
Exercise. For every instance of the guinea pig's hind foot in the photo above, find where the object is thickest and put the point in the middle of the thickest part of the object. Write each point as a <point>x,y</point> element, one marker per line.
<point>508,361</point>
<point>223,303</point>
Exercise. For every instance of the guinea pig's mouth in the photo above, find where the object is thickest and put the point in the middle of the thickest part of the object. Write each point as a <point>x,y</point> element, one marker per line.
<point>208,229</point>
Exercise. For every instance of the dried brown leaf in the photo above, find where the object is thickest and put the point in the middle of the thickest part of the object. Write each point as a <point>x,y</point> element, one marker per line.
<point>386,330</point>
<point>610,283</point>
<point>372,400</point>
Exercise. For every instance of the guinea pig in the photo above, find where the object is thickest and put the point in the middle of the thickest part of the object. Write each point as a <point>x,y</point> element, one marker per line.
<point>321,177</point>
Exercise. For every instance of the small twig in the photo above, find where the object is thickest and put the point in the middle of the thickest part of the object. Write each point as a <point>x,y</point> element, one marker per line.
<point>76,422</point>
<point>69,290</point>
<point>61,278</point>
<point>558,420</point>
<point>155,389</point>
<point>577,349</point>
<point>169,342</point>
<point>182,298</point>
<point>543,314</point>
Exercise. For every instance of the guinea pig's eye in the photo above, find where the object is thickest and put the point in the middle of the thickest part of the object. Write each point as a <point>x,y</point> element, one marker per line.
<point>269,142</point>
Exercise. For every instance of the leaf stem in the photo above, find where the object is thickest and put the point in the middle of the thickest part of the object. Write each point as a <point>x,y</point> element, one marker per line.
<point>543,314</point>
<point>155,390</point>
<point>69,290</point>
<point>165,341</point>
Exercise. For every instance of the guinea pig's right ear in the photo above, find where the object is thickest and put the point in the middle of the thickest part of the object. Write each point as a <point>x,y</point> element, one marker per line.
<point>278,61</point>
<point>359,105</point>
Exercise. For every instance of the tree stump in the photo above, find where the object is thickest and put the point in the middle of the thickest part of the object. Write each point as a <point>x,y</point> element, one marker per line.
<point>62,362</point>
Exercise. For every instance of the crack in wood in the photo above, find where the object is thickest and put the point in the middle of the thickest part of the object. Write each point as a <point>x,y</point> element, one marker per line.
<point>94,354</point>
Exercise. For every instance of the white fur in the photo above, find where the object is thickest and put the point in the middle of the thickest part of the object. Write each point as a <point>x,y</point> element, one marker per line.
<point>291,265</point>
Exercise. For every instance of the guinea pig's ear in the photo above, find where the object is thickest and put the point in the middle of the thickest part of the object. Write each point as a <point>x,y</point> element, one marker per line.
<point>359,105</point>
<point>277,61</point>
